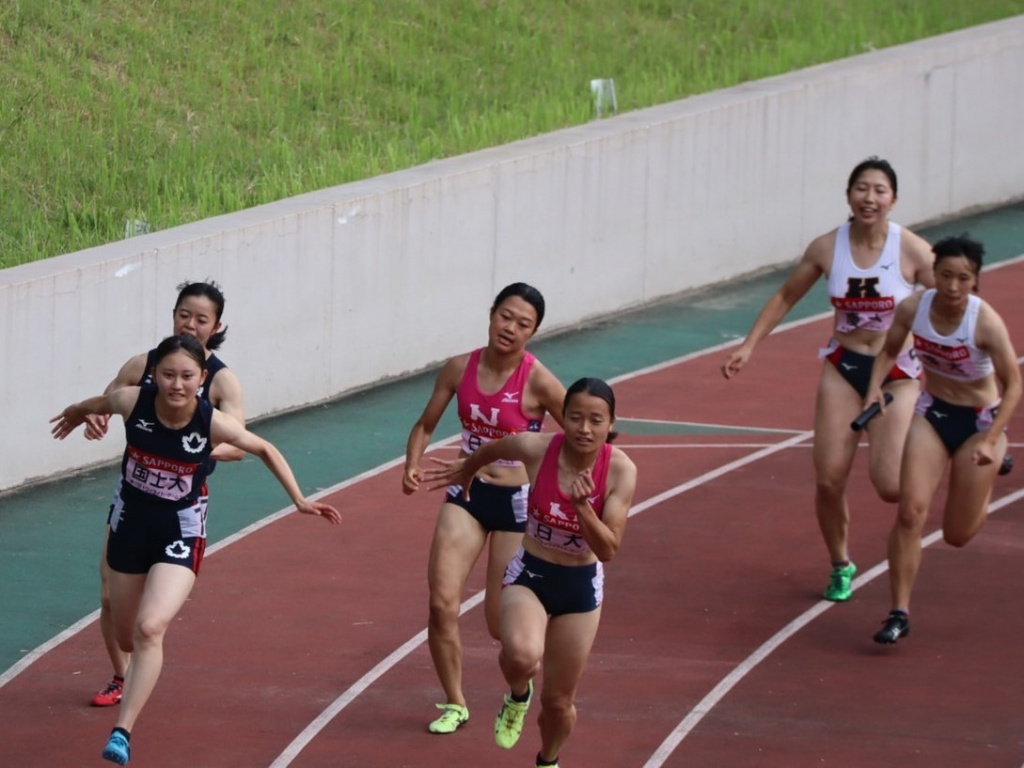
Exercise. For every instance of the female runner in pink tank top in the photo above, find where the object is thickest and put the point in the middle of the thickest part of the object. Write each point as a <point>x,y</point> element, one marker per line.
<point>581,488</point>
<point>500,389</point>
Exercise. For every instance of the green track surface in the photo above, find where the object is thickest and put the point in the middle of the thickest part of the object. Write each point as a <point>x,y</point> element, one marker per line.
<point>51,534</point>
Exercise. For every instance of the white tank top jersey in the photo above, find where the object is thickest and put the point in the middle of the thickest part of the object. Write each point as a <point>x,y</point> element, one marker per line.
<point>866,298</point>
<point>955,356</point>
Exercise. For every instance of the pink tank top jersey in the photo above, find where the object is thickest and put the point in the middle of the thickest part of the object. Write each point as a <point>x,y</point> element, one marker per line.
<point>550,516</point>
<point>866,298</point>
<point>955,356</point>
<point>490,417</point>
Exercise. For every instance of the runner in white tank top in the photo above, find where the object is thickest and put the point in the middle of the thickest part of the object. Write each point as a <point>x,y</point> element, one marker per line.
<point>869,263</point>
<point>959,422</point>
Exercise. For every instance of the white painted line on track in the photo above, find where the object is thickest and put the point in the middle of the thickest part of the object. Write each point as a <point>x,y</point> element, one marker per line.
<point>683,446</point>
<point>36,653</point>
<point>39,651</point>
<point>705,705</point>
<point>705,425</point>
<point>310,732</point>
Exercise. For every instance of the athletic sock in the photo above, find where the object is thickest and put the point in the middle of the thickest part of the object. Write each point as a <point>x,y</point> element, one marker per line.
<point>123,732</point>
<point>840,563</point>
<point>520,699</point>
<point>541,762</point>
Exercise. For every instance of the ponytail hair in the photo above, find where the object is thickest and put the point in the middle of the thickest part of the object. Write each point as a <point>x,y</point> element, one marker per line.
<point>212,291</point>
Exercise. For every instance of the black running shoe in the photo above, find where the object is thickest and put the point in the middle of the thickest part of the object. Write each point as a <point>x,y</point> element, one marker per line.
<point>895,626</point>
<point>1007,466</point>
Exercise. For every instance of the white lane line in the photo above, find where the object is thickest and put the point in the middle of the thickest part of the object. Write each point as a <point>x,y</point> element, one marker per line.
<point>705,425</point>
<point>705,705</point>
<point>678,446</point>
<point>310,732</point>
<point>39,651</point>
<point>36,653</point>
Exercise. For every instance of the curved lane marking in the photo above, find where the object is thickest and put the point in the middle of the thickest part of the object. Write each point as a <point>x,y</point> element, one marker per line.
<point>310,732</point>
<point>705,705</point>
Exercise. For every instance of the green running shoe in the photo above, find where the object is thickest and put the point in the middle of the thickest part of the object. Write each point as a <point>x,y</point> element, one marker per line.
<point>452,716</point>
<point>508,725</point>
<point>838,588</point>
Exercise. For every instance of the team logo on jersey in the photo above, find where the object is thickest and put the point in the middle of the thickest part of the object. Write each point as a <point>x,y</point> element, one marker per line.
<point>556,512</point>
<point>510,397</point>
<point>193,443</point>
<point>179,550</point>
<point>862,287</point>
<point>475,414</point>
<point>145,426</point>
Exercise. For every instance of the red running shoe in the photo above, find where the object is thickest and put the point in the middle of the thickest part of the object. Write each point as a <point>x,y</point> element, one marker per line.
<point>110,695</point>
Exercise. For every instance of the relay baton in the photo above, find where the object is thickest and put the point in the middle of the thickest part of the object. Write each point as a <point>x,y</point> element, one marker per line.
<point>869,413</point>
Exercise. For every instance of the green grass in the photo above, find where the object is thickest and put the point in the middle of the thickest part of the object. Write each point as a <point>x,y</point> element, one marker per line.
<point>176,110</point>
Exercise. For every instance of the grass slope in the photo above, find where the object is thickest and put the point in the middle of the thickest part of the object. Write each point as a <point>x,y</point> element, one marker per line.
<point>177,110</point>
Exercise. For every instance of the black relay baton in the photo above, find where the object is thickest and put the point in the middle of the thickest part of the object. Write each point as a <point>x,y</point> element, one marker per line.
<point>869,413</point>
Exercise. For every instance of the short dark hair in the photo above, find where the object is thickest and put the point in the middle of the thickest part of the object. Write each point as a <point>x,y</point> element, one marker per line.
<point>963,245</point>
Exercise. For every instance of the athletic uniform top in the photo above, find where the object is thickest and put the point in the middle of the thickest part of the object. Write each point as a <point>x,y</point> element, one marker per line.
<point>551,518</point>
<point>491,417</point>
<point>164,468</point>
<point>866,298</point>
<point>955,356</point>
<point>213,365</point>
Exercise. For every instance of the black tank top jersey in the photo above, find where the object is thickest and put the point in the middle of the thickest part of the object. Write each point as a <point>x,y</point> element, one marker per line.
<point>213,365</point>
<point>164,468</point>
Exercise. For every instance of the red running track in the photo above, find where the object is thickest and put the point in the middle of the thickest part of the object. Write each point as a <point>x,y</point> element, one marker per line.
<point>303,646</point>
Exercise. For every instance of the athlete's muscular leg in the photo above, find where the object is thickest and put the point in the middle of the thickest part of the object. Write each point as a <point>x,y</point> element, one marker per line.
<point>835,446</point>
<point>458,541</point>
<point>503,547</point>
<point>165,591</point>
<point>924,461</point>
<point>887,435</point>
<point>970,486</point>
<point>569,640</point>
<point>523,625</point>
<point>118,658</point>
